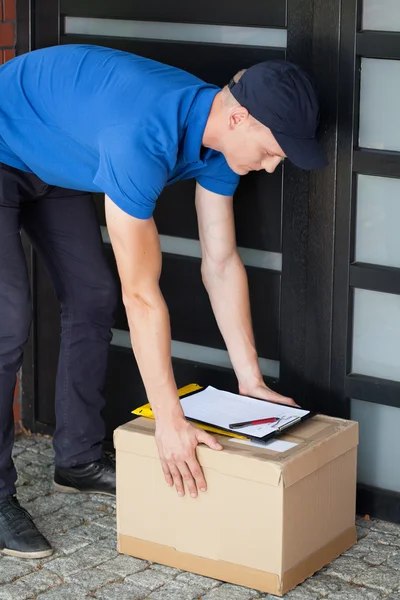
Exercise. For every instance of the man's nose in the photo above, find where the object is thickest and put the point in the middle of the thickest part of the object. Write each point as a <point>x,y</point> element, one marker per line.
<point>270,163</point>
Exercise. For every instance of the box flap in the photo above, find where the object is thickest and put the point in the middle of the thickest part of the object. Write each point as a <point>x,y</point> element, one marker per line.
<point>318,441</point>
<point>137,437</point>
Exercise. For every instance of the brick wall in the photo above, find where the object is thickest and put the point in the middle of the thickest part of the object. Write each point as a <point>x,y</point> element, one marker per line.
<point>7,30</point>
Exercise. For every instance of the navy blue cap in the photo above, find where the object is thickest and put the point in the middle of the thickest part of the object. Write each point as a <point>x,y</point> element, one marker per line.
<point>282,97</point>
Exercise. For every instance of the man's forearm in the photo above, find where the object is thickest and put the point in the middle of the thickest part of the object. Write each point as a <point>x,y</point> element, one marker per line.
<point>151,342</point>
<point>228,290</point>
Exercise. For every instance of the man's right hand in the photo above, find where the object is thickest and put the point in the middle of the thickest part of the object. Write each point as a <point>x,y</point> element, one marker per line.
<point>177,441</point>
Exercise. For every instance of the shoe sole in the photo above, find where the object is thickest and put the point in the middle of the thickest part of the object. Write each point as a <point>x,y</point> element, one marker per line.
<point>63,489</point>
<point>41,554</point>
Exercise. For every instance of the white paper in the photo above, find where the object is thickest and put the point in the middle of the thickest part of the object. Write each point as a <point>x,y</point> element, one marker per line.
<point>220,408</point>
<point>274,445</point>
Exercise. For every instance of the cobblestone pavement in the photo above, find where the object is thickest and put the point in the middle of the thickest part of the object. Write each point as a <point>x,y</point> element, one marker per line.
<point>86,563</point>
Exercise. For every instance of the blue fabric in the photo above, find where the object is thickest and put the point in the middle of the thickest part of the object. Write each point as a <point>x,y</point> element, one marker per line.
<point>100,120</point>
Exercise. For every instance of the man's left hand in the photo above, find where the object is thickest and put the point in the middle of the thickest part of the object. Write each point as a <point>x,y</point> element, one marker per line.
<point>262,391</point>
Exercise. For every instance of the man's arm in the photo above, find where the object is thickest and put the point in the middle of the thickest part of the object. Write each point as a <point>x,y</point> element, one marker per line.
<point>225,279</point>
<point>137,251</point>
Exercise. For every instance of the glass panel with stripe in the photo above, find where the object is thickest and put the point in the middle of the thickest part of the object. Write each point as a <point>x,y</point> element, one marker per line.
<point>379,104</point>
<point>379,450</point>
<point>184,32</point>
<point>376,334</point>
<point>378,218</point>
<point>381,15</point>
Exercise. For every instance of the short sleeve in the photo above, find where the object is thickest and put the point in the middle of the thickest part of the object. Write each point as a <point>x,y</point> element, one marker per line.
<point>133,169</point>
<point>217,176</point>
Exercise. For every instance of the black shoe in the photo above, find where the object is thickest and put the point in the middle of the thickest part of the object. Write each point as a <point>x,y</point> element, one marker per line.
<point>18,533</point>
<point>95,478</point>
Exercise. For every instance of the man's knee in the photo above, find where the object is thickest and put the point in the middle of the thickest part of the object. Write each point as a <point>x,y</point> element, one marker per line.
<point>98,301</point>
<point>15,323</point>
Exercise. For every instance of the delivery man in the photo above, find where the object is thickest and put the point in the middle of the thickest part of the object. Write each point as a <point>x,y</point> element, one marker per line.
<point>79,119</point>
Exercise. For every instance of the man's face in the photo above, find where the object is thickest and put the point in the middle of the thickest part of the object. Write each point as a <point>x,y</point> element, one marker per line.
<point>250,146</point>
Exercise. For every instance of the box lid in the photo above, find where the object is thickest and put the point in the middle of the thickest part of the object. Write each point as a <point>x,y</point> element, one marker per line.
<point>318,441</point>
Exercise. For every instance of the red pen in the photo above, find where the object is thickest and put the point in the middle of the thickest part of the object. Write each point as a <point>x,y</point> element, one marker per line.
<point>257,422</point>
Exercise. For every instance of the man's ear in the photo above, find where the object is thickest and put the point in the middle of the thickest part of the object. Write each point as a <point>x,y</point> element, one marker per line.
<point>238,116</point>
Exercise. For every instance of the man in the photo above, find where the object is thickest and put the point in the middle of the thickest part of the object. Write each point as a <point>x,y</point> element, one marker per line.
<point>89,118</point>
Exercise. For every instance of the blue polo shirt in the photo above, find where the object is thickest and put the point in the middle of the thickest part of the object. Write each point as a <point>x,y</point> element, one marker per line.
<point>100,120</point>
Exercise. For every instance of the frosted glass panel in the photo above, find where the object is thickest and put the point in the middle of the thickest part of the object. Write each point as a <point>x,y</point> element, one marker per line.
<point>376,335</point>
<point>183,32</point>
<point>379,449</point>
<point>379,104</point>
<point>378,219</point>
<point>201,354</point>
<point>381,15</point>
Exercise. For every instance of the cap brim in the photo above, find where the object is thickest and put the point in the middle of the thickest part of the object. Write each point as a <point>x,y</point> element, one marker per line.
<point>304,153</point>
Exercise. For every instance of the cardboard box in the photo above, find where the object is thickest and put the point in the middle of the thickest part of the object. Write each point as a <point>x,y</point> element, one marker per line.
<point>268,520</point>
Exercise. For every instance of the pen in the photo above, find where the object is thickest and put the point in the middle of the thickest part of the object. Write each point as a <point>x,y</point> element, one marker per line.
<point>256,422</point>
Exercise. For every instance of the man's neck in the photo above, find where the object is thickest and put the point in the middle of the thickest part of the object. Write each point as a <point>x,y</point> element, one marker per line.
<point>212,131</point>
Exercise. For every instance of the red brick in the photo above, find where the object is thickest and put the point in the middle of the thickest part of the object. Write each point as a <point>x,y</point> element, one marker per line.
<point>8,55</point>
<point>1,10</point>
<point>9,10</point>
<point>17,412</point>
<point>7,34</point>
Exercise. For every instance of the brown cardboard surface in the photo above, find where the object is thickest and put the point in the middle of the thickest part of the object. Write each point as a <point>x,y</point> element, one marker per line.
<point>266,582</point>
<point>319,440</point>
<point>298,506</point>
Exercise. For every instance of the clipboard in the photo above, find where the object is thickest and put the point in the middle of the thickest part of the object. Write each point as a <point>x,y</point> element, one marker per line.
<point>187,390</point>
<point>192,389</point>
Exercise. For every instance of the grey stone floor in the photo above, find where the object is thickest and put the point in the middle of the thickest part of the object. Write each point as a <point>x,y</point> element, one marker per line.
<point>86,563</point>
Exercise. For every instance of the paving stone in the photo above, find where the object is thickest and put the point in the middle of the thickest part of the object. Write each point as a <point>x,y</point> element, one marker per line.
<point>90,532</point>
<point>92,579</point>
<point>298,594</point>
<point>102,499</point>
<point>346,568</point>
<point>148,580</point>
<point>120,591</point>
<point>17,450</point>
<point>88,510</point>
<point>36,471</point>
<point>67,543</point>
<point>35,563</point>
<point>14,591</point>
<point>231,592</point>
<point>107,522</point>
<point>124,565</point>
<point>361,532</point>
<point>322,584</point>
<point>27,493</point>
<point>350,592</point>
<point>40,487</point>
<point>383,578</point>
<point>25,441</point>
<point>382,538</point>
<point>10,570</point>
<point>375,559</point>
<point>393,561</point>
<point>58,522</point>
<point>198,580</point>
<point>384,526</point>
<point>91,556</point>
<point>45,505</point>
<point>40,581</point>
<point>164,569</point>
<point>177,590</point>
<point>63,592</point>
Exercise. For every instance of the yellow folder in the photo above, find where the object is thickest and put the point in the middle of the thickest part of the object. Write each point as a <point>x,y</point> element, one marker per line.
<point>146,411</point>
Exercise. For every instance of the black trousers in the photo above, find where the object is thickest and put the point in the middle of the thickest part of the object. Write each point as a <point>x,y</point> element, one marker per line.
<point>63,227</point>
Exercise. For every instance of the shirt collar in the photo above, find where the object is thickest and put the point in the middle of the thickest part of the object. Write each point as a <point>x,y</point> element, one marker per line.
<point>197,121</point>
